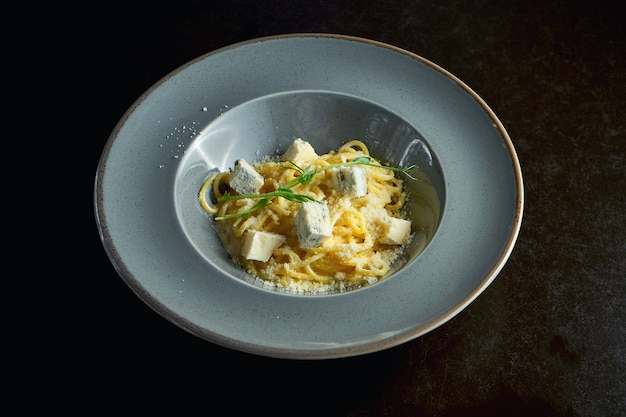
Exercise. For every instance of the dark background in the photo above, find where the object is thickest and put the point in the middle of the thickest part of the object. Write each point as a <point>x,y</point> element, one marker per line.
<point>547,338</point>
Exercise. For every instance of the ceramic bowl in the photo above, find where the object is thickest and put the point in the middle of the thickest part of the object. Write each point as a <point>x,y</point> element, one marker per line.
<point>251,100</point>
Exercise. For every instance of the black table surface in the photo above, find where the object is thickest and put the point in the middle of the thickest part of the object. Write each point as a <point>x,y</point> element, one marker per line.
<point>547,337</point>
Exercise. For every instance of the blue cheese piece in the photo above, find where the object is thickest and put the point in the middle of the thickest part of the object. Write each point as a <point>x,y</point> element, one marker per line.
<point>396,231</point>
<point>350,181</point>
<point>299,150</point>
<point>245,179</point>
<point>313,224</point>
<point>259,245</point>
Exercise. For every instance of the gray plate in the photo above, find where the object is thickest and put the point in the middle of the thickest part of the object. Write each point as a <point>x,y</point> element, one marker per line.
<point>252,99</point>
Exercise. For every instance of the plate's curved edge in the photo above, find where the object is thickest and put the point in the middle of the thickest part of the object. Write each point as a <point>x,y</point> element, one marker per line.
<point>353,350</point>
<point>519,185</point>
<point>517,171</point>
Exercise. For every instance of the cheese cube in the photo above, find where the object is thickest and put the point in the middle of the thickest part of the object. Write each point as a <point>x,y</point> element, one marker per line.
<point>258,245</point>
<point>313,224</point>
<point>299,150</point>
<point>396,231</point>
<point>351,181</point>
<point>245,179</point>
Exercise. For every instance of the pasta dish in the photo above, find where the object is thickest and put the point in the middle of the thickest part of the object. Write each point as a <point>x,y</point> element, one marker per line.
<point>307,222</point>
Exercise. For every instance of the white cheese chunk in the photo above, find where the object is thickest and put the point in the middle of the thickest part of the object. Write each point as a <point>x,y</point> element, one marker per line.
<point>245,179</point>
<point>313,224</point>
<point>396,231</point>
<point>299,150</point>
<point>351,181</point>
<point>259,245</point>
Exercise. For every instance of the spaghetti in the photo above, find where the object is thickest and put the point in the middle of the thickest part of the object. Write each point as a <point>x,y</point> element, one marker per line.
<point>365,205</point>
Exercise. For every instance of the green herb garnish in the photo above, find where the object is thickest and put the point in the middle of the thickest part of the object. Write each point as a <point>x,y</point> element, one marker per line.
<point>305,177</point>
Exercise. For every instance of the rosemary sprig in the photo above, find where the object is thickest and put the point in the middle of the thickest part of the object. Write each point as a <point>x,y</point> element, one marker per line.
<point>367,160</point>
<point>305,177</point>
<point>264,201</point>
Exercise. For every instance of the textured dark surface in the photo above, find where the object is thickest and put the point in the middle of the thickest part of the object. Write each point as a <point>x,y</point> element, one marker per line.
<point>547,338</point>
